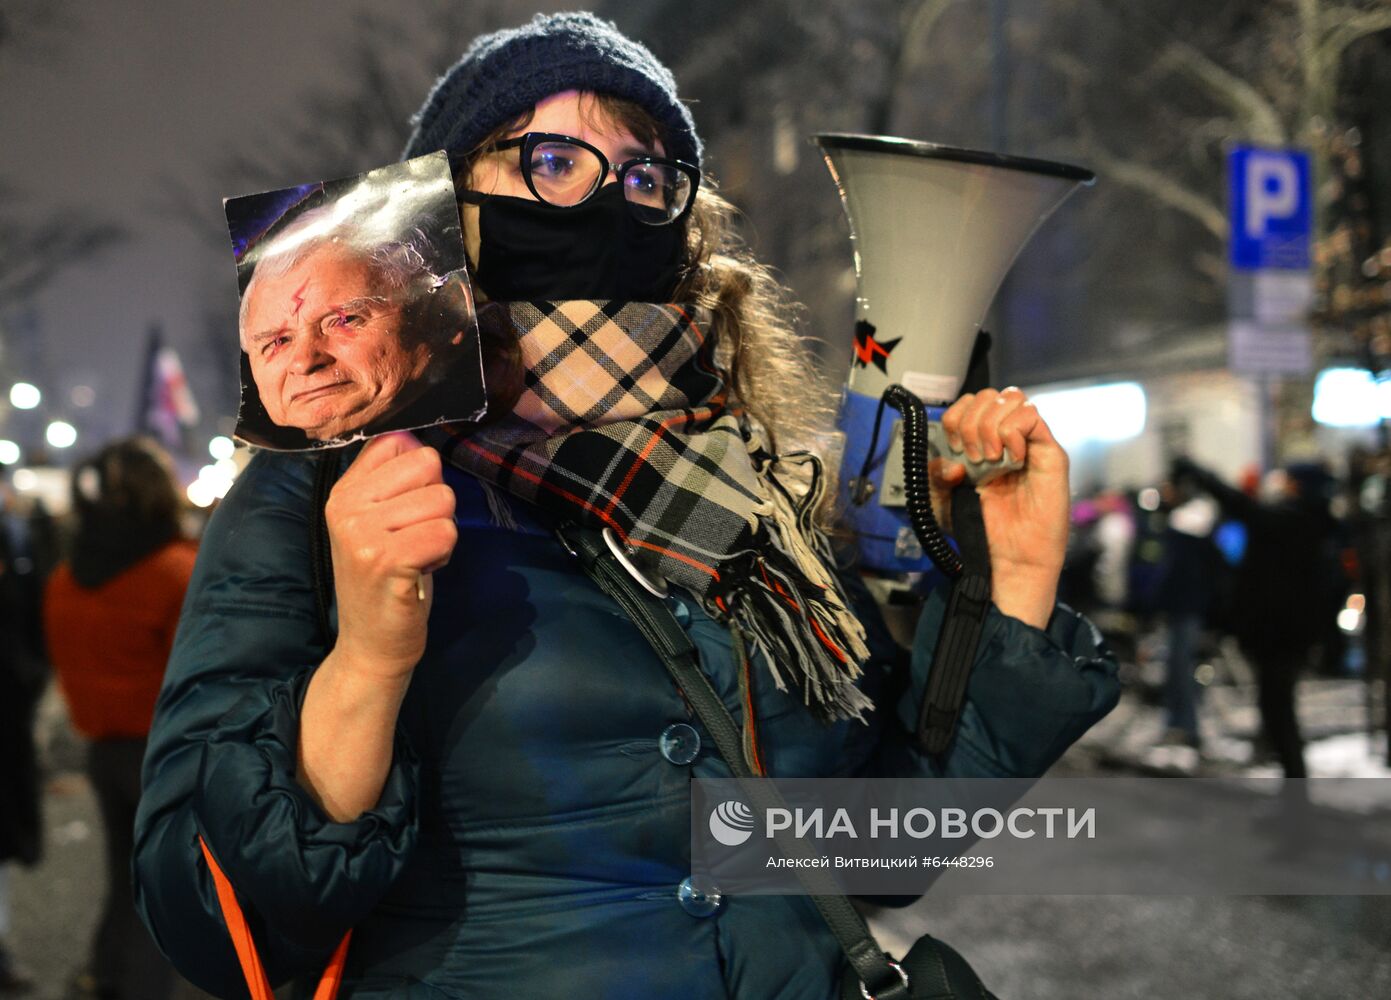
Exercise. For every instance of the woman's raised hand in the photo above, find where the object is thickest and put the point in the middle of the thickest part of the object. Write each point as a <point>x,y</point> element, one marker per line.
<point>390,523</point>
<point>1025,512</point>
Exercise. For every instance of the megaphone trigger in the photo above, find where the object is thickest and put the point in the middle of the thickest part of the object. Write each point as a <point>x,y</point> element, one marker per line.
<point>980,472</point>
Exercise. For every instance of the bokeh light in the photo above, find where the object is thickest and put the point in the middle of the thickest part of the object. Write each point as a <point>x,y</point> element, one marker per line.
<point>61,434</point>
<point>221,447</point>
<point>24,396</point>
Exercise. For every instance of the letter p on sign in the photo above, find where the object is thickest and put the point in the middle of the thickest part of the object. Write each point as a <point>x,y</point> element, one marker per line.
<point>1272,191</point>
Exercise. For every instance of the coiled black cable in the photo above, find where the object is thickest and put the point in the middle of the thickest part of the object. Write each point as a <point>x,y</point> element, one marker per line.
<point>915,477</point>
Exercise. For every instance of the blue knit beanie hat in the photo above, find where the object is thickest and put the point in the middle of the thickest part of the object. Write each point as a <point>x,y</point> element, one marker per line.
<point>506,73</point>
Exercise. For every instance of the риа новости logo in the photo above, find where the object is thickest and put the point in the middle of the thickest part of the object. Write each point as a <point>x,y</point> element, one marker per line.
<point>731,823</point>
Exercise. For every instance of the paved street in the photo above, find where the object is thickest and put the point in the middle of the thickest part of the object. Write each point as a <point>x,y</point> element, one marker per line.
<point>55,905</point>
<point>1180,948</point>
<point>1190,947</point>
<point>1332,715</point>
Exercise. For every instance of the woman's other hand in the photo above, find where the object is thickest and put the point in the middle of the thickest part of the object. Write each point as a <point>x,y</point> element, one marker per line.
<point>1025,512</point>
<point>390,523</point>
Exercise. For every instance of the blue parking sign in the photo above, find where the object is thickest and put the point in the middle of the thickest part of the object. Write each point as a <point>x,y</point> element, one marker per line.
<point>1270,204</point>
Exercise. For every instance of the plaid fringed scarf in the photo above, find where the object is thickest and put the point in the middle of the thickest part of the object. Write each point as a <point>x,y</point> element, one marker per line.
<point>626,422</point>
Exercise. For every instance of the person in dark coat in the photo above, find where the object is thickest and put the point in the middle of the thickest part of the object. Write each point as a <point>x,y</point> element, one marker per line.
<point>23,677</point>
<point>1189,573</point>
<point>1281,589</point>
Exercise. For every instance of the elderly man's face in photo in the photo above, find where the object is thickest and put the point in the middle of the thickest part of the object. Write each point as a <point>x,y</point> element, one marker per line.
<point>326,344</point>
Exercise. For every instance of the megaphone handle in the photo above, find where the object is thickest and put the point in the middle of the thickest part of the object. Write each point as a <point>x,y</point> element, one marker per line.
<point>980,472</point>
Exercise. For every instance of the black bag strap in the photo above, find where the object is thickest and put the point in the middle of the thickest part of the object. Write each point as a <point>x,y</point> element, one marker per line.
<point>955,654</point>
<point>882,980</point>
<point>962,625</point>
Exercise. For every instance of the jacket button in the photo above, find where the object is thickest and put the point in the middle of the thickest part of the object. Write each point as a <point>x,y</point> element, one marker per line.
<point>699,902</point>
<point>679,743</point>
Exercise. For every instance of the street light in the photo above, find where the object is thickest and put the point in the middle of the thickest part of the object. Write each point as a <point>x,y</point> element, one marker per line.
<point>24,396</point>
<point>9,452</point>
<point>61,434</point>
<point>1111,412</point>
<point>1351,397</point>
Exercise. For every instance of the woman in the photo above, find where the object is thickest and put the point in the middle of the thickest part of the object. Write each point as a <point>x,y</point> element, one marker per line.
<point>109,617</point>
<point>491,785</point>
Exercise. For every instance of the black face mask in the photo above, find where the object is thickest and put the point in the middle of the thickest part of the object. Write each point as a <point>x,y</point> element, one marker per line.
<point>530,251</point>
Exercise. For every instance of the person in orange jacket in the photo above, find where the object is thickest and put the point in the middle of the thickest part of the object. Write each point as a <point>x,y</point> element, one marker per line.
<point>109,616</point>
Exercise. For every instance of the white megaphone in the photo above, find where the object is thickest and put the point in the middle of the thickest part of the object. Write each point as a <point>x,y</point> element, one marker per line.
<point>934,231</point>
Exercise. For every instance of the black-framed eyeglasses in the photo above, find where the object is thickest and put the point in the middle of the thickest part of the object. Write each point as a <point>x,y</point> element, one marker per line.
<point>564,171</point>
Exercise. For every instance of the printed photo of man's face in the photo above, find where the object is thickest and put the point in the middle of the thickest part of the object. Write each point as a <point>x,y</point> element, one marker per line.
<point>351,326</point>
<point>328,348</point>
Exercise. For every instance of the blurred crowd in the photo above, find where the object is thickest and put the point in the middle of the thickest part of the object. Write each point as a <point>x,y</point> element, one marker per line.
<point>93,598</point>
<point>1261,581</point>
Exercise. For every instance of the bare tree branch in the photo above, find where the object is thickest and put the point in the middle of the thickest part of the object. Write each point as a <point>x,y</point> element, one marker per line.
<point>1346,32</point>
<point>1260,118</point>
<point>1162,187</point>
<point>917,28</point>
<point>32,250</point>
<point>1308,16</point>
<point>906,50</point>
<point>1213,265</point>
<point>34,31</point>
<point>339,129</point>
<point>32,253</point>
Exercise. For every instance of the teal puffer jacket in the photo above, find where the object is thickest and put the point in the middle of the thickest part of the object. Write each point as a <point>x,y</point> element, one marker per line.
<point>534,831</point>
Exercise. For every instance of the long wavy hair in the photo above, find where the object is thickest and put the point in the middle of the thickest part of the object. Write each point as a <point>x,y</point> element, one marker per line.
<point>771,369</point>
